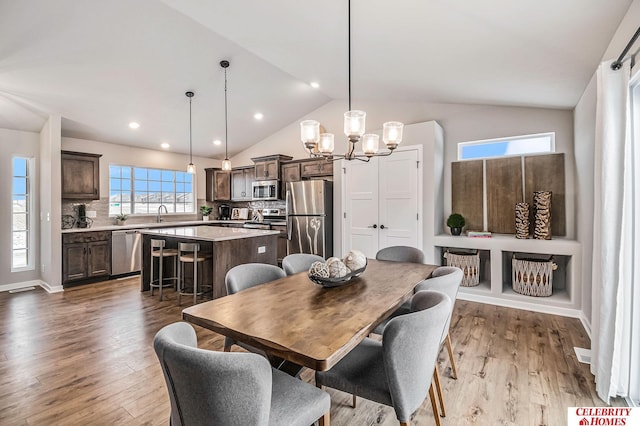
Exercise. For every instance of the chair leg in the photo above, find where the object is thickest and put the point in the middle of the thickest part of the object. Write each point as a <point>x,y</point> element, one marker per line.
<point>454,371</point>
<point>353,401</point>
<point>180,280</point>
<point>407,423</point>
<point>151,276</point>
<point>195,279</point>
<point>434,405</point>
<point>436,379</point>
<point>324,420</point>
<point>160,275</point>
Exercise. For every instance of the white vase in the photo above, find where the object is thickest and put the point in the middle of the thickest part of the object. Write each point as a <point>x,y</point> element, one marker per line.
<point>205,218</point>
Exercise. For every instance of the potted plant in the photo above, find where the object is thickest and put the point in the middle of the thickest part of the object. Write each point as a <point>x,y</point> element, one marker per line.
<point>121,218</point>
<point>455,222</point>
<point>205,211</point>
<point>82,216</point>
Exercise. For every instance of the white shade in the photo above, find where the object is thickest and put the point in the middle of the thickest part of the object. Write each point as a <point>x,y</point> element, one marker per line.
<point>191,168</point>
<point>392,133</point>
<point>354,122</point>
<point>309,132</point>
<point>325,145</point>
<point>370,144</point>
<point>226,164</point>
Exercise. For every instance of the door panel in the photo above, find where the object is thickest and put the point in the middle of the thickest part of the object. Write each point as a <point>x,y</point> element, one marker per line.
<point>361,206</point>
<point>307,235</point>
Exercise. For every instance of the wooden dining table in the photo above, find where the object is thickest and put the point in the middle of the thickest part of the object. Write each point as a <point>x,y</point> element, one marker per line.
<point>306,324</point>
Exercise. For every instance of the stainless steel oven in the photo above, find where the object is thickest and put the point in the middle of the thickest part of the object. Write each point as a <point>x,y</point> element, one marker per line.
<point>265,190</point>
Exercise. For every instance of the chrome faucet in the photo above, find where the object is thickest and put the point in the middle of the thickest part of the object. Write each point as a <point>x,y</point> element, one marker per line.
<point>159,216</point>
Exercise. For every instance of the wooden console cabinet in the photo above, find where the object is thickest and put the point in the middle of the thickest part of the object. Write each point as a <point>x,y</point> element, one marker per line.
<point>86,256</point>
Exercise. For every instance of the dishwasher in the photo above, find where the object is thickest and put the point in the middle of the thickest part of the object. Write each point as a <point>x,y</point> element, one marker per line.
<point>126,252</point>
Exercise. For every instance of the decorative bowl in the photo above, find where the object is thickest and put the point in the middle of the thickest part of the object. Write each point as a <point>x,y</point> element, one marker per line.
<point>337,282</point>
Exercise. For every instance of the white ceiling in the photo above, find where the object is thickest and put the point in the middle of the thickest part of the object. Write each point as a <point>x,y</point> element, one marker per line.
<point>101,64</point>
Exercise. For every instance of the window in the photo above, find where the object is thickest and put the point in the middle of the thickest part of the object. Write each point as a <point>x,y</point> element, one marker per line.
<point>21,215</point>
<point>502,147</point>
<point>140,190</point>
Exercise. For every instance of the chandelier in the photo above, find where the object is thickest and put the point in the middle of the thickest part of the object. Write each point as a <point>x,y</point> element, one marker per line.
<point>322,144</point>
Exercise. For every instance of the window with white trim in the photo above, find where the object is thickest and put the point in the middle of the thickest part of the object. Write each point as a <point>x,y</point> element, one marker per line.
<point>141,190</point>
<point>540,143</point>
<point>21,215</point>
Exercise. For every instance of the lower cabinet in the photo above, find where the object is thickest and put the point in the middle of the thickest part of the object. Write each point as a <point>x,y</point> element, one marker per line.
<point>86,256</point>
<point>282,241</point>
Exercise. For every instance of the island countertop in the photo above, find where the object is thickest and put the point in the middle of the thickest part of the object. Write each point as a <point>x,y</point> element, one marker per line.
<point>209,233</point>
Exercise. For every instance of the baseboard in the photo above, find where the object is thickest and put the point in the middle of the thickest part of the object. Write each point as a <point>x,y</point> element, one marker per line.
<point>31,283</point>
<point>586,324</point>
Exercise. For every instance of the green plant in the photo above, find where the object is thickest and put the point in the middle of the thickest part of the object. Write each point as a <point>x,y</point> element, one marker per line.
<point>205,210</point>
<point>122,217</point>
<point>455,220</point>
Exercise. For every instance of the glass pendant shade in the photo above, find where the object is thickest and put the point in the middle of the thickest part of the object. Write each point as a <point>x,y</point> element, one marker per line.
<point>354,123</point>
<point>309,133</point>
<point>191,168</point>
<point>370,144</point>
<point>392,133</point>
<point>325,146</point>
<point>226,164</point>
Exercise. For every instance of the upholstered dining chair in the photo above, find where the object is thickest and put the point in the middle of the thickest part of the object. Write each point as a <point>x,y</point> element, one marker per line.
<point>397,371</point>
<point>299,262</point>
<point>208,387</point>
<point>401,254</point>
<point>245,276</point>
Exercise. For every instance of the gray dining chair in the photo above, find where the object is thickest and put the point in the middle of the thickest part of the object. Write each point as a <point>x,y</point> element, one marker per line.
<point>397,371</point>
<point>299,262</point>
<point>208,387</point>
<point>245,276</point>
<point>401,254</point>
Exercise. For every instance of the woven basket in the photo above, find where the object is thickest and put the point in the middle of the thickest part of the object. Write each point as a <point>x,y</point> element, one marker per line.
<point>470,265</point>
<point>533,277</point>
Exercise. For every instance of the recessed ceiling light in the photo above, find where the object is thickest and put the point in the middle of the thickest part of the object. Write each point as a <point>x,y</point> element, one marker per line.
<point>258,116</point>
<point>165,145</point>
<point>134,125</point>
<point>314,84</point>
<point>217,142</point>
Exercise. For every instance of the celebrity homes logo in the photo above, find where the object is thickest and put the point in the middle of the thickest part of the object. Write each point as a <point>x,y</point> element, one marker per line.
<point>603,416</point>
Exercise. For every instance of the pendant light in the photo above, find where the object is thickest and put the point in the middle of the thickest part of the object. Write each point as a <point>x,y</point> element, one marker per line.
<point>321,145</point>
<point>191,168</point>
<point>226,164</point>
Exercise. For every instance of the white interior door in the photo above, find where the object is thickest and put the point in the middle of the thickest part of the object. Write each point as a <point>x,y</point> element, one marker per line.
<point>361,207</point>
<point>398,200</point>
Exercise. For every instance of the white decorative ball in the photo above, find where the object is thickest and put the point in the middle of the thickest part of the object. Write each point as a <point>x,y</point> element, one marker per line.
<point>337,269</point>
<point>355,260</point>
<point>319,269</point>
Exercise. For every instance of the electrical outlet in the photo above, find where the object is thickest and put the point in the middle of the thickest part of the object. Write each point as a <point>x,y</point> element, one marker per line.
<point>262,249</point>
<point>91,213</point>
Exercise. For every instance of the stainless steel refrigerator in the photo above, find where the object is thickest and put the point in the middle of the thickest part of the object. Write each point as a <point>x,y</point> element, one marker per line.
<point>310,217</point>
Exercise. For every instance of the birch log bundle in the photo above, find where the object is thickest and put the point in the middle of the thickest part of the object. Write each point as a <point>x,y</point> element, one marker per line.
<point>522,220</point>
<point>542,205</point>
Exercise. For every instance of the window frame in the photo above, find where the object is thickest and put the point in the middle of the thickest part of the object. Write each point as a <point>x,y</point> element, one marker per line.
<point>551,135</point>
<point>30,224</point>
<point>132,191</point>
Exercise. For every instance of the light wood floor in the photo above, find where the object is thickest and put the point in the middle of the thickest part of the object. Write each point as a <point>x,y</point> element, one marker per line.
<point>85,357</point>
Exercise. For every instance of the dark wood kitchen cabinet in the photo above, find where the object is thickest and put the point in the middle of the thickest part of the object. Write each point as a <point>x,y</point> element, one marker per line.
<point>268,167</point>
<point>218,185</point>
<point>80,175</point>
<point>241,179</point>
<point>282,241</point>
<point>316,168</point>
<point>86,256</point>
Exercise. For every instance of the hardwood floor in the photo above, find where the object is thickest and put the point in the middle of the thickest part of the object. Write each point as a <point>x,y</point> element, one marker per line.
<point>85,357</point>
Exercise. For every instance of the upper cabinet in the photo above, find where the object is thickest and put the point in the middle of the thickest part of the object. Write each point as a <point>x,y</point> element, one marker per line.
<point>80,175</point>
<point>218,185</point>
<point>268,167</point>
<point>313,168</point>
<point>241,179</point>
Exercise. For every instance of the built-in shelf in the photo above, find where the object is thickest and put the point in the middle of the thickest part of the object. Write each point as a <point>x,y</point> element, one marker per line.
<point>495,272</point>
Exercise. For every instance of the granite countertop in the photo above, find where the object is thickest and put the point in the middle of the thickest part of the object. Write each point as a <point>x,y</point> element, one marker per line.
<point>209,233</point>
<point>150,225</point>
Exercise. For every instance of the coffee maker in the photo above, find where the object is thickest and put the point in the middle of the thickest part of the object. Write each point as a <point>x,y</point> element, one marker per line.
<point>224,212</point>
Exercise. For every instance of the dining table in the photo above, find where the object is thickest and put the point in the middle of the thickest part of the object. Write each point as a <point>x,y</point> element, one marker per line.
<point>306,324</point>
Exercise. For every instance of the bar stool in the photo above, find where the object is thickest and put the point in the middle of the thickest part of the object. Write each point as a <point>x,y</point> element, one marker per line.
<point>188,253</point>
<point>158,251</point>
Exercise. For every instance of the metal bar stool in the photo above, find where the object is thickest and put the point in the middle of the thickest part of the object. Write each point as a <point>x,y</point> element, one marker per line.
<point>188,253</point>
<point>158,251</point>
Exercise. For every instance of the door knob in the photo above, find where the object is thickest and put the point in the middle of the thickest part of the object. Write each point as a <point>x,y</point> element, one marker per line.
<point>374,226</point>
<point>381,226</point>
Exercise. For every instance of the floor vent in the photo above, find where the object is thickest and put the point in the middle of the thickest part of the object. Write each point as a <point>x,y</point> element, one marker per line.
<point>584,355</point>
<point>20,290</point>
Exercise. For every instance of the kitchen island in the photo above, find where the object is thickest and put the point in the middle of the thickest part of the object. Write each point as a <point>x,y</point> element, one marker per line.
<point>228,246</point>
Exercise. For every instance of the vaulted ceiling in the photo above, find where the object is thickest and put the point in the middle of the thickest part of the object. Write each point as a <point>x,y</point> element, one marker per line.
<point>102,64</point>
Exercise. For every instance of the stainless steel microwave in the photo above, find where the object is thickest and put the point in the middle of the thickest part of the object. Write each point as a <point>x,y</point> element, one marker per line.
<point>265,190</point>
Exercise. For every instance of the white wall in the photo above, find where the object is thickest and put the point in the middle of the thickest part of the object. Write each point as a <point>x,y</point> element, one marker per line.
<point>23,144</point>
<point>584,123</point>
